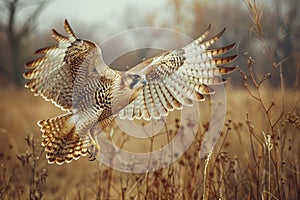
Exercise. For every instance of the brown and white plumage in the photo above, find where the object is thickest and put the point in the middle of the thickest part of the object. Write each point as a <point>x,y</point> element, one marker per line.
<point>179,77</point>
<point>73,76</point>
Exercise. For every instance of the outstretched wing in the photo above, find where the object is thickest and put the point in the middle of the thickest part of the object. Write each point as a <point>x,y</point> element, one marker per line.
<point>71,61</point>
<point>178,77</point>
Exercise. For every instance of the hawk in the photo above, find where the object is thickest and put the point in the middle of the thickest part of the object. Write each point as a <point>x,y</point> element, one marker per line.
<point>73,75</point>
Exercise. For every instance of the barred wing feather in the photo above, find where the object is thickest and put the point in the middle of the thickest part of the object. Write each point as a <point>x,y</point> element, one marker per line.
<point>54,75</point>
<point>178,78</point>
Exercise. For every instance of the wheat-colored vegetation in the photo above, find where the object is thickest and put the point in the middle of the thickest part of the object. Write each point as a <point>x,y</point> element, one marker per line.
<point>256,156</point>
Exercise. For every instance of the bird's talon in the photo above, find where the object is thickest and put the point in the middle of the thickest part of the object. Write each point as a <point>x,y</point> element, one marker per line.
<point>90,153</point>
<point>93,158</point>
<point>93,151</point>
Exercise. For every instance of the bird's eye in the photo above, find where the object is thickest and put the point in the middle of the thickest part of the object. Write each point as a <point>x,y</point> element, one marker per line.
<point>136,77</point>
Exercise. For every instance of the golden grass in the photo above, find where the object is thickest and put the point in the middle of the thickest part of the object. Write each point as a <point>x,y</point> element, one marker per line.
<point>256,156</point>
<point>243,165</point>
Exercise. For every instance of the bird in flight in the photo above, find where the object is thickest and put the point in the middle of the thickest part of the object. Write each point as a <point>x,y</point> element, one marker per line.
<point>73,75</point>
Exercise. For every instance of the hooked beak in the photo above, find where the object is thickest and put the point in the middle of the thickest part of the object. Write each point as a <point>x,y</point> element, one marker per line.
<point>144,82</point>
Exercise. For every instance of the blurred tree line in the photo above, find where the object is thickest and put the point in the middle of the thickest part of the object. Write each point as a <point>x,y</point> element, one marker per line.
<point>14,31</point>
<point>269,32</point>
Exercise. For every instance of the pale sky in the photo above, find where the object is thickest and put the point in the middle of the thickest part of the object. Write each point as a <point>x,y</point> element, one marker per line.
<point>93,11</point>
<point>105,17</point>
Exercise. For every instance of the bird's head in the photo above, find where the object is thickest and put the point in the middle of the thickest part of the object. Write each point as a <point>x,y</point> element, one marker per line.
<point>128,89</point>
<point>133,81</point>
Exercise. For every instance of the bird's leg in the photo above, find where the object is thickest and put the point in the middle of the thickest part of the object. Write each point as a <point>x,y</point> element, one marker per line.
<point>94,147</point>
<point>94,132</point>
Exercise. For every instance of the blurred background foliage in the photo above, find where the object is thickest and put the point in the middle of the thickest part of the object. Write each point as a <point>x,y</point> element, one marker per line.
<point>25,26</point>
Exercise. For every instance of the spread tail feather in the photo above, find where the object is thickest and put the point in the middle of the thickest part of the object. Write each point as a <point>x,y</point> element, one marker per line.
<point>60,141</point>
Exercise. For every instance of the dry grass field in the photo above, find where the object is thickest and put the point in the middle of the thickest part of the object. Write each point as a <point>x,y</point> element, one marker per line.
<point>256,157</point>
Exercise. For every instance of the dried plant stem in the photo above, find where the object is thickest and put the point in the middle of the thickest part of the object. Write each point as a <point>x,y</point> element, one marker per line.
<point>149,164</point>
<point>296,174</point>
<point>98,197</point>
<point>207,159</point>
<point>268,146</point>
<point>282,86</point>
<point>195,183</point>
<point>109,183</point>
